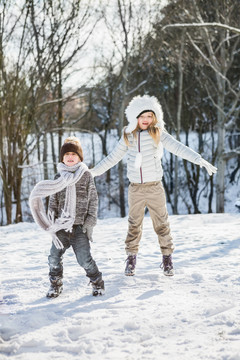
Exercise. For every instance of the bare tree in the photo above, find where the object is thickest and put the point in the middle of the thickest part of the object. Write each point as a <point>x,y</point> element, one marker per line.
<point>17,107</point>
<point>60,31</point>
<point>133,20</point>
<point>179,115</point>
<point>217,43</point>
<point>43,39</point>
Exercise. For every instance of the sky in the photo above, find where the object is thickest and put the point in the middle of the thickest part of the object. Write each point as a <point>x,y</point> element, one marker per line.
<point>106,44</point>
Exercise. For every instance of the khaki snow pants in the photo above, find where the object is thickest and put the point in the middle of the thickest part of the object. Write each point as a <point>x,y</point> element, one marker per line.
<point>152,196</point>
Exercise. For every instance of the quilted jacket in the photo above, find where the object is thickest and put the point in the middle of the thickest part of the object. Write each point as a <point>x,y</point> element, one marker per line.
<point>144,156</point>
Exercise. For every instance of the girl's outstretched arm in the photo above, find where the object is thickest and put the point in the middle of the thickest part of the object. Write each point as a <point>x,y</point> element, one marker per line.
<point>112,159</point>
<point>177,148</point>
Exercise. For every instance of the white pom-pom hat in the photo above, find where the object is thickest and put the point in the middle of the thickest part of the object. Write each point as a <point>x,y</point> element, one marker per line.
<point>140,104</point>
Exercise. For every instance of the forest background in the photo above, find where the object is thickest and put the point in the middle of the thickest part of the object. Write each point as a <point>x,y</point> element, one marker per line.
<point>70,67</point>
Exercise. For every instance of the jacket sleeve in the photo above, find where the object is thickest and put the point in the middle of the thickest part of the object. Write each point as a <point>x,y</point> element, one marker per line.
<point>53,201</point>
<point>112,159</point>
<point>53,204</point>
<point>92,210</point>
<point>177,148</point>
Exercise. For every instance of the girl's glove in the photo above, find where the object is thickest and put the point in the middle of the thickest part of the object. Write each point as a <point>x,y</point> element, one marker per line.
<point>88,230</point>
<point>209,167</point>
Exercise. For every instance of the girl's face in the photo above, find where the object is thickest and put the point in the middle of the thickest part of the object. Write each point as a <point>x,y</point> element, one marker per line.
<point>145,120</point>
<point>71,158</point>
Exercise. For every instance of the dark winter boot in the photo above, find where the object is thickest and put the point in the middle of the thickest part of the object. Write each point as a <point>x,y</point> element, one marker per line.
<point>56,286</point>
<point>98,287</point>
<point>167,265</point>
<point>131,264</point>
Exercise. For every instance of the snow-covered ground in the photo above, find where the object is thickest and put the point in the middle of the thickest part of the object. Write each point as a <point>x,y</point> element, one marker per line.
<point>193,315</point>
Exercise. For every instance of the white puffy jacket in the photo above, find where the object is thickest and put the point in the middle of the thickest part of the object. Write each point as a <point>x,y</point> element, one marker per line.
<point>144,156</point>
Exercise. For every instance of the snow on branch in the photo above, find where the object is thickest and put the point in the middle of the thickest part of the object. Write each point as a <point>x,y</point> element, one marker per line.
<point>230,124</point>
<point>231,154</point>
<point>137,87</point>
<point>213,24</point>
<point>68,98</point>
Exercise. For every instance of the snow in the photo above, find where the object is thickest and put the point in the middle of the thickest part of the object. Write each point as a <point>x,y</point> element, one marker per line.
<point>193,315</point>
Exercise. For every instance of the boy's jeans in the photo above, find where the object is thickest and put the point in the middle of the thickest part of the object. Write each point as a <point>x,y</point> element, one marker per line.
<point>81,247</point>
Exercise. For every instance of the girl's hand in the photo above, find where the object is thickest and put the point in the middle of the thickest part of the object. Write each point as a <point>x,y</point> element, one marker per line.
<point>209,167</point>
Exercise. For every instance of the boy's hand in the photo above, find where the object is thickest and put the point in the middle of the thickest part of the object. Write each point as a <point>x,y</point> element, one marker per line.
<point>88,230</point>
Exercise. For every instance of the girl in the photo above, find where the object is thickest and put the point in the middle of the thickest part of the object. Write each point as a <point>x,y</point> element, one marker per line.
<point>143,140</point>
<point>72,215</point>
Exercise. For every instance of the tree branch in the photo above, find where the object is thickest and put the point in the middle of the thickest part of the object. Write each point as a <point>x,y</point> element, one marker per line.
<point>136,88</point>
<point>196,25</point>
<point>231,154</point>
<point>211,65</point>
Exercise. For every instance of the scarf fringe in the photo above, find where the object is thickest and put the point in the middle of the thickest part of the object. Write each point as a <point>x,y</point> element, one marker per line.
<point>58,244</point>
<point>65,222</point>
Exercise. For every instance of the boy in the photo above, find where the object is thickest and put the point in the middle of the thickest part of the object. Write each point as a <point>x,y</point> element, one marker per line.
<point>72,216</point>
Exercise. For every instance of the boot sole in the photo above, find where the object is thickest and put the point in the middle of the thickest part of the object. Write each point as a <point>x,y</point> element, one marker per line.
<point>99,292</point>
<point>54,295</point>
<point>168,274</point>
<point>130,274</point>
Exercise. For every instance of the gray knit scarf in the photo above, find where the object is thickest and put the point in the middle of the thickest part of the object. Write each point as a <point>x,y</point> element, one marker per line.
<point>69,175</point>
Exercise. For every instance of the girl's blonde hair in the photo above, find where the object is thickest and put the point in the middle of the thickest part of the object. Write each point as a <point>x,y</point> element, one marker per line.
<point>153,130</point>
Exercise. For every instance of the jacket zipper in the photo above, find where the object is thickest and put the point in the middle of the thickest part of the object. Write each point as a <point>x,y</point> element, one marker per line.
<point>139,149</point>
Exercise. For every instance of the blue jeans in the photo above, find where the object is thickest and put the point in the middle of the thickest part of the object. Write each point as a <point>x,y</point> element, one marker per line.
<point>81,247</point>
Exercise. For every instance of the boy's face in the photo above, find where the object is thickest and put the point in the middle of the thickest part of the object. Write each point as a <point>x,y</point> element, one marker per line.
<point>71,158</point>
<point>145,120</point>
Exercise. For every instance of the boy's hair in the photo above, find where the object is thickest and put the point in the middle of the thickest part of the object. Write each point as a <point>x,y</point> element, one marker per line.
<point>71,144</point>
<point>153,130</point>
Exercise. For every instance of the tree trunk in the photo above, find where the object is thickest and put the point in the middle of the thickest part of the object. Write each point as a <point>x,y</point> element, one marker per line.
<point>7,192</point>
<point>179,112</point>
<point>18,186</point>
<point>93,151</point>
<point>221,163</point>
<point>44,158</point>
<point>220,173</point>
<point>120,127</point>
<point>60,106</point>
<point>54,159</point>
<point>121,189</point>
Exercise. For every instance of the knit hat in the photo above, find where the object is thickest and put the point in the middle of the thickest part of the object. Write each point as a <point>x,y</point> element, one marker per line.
<point>140,104</point>
<point>71,144</point>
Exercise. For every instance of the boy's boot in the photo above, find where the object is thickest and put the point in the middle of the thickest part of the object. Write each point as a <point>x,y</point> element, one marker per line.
<point>131,264</point>
<point>98,287</point>
<point>167,265</point>
<point>56,286</point>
